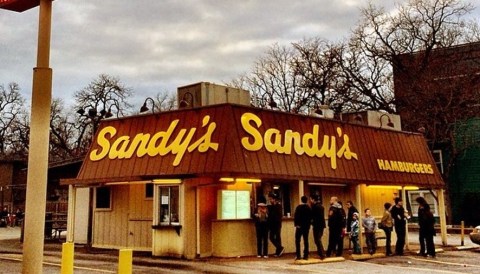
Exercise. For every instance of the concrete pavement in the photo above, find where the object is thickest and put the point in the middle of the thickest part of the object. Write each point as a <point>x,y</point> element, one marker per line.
<point>10,244</point>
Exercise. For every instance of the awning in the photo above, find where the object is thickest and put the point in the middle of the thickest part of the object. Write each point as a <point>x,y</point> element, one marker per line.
<point>237,141</point>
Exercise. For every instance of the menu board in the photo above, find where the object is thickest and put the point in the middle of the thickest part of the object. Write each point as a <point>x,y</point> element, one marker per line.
<point>228,204</point>
<point>234,204</point>
<point>243,204</point>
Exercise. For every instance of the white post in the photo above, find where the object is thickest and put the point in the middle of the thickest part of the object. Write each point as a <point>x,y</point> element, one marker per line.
<point>404,198</point>
<point>443,218</point>
<point>301,191</point>
<point>35,205</point>
<point>358,201</point>
<point>72,201</point>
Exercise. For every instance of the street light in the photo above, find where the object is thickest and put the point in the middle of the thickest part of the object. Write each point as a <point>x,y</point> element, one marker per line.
<point>95,116</point>
<point>186,102</point>
<point>144,106</point>
<point>389,121</point>
<point>36,197</point>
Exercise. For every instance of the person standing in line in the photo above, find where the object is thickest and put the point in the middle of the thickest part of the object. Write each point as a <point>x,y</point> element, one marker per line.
<point>275,216</point>
<point>336,225</point>
<point>261,228</point>
<point>387,225</point>
<point>318,223</point>
<point>354,232</point>
<point>400,222</point>
<point>350,210</point>
<point>426,222</point>
<point>369,225</point>
<point>4,217</point>
<point>302,220</point>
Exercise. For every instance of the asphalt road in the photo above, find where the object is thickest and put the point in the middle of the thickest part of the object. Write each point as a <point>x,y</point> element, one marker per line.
<point>450,260</point>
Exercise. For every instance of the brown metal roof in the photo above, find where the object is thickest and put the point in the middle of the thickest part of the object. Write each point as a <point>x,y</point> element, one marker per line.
<point>18,5</point>
<point>374,153</point>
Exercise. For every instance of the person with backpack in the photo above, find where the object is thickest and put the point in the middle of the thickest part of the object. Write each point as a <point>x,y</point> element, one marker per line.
<point>336,226</point>
<point>261,229</point>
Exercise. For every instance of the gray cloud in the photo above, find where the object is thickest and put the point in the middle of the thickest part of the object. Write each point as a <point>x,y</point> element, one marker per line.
<point>154,46</point>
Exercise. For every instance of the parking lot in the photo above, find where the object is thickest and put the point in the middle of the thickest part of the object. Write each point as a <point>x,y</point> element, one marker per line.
<point>450,259</point>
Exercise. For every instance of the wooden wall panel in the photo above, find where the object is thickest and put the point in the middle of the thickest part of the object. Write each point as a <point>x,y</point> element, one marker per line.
<point>116,219</point>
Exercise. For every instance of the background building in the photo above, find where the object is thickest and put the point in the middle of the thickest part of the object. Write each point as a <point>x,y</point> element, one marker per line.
<point>437,92</point>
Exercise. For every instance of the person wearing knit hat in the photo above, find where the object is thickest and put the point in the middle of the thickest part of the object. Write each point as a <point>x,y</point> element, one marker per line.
<point>261,228</point>
<point>354,232</point>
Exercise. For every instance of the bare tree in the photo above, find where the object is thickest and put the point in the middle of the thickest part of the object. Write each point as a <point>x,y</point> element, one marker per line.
<point>316,67</point>
<point>272,82</point>
<point>104,97</point>
<point>63,133</point>
<point>365,82</point>
<point>436,83</point>
<point>294,79</point>
<point>419,28</point>
<point>165,101</point>
<point>11,117</point>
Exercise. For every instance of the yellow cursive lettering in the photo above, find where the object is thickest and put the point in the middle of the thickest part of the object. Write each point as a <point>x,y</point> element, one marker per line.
<point>279,142</point>
<point>160,144</point>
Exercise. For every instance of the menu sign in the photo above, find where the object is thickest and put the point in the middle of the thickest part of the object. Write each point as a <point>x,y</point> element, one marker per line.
<point>234,204</point>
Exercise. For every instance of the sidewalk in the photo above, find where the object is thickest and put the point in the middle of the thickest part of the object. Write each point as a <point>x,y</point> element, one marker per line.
<point>10,243</point>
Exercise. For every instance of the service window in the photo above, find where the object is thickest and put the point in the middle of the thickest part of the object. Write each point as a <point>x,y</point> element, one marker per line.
<point>168,205</point>
<point>103,198</point>
<point>412,195</point>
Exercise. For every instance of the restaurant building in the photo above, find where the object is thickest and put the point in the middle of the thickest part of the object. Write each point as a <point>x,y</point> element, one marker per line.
<point>184,183</point>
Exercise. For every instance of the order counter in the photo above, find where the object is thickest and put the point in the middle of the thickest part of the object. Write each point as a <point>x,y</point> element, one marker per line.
<point>233,238</point>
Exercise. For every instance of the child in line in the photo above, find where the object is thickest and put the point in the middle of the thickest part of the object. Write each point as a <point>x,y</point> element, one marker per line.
<point>370,225</point>
<point>354,231</point>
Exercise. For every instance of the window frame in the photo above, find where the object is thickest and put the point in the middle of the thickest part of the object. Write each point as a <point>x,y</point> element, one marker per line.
<point>148,191</point>
<point>159,200</point>
<point>412,194</point>
<point>110,198</point>
<point>439,163</point>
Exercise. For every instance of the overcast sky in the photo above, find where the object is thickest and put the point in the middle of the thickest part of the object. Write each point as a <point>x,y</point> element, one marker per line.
<point>156,45</point>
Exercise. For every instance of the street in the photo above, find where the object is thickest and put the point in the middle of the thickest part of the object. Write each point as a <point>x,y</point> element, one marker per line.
<point>450,259</point>
<point>446,262</point>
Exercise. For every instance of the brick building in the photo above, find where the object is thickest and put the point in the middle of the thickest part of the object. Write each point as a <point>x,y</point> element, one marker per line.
<point>438,91</point>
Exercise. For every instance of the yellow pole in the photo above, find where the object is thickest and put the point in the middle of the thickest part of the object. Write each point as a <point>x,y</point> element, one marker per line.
<point>38,148</point>
<point>404,198</point>
<point>358,201</point>
<point>67,258</point>
<point>72,200</point>
<point>125,261</point>
<point>462,233</point>
<point>443,217</point>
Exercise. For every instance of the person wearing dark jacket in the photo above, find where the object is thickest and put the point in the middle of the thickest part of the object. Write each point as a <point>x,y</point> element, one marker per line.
<point>302,220</point>
<point>400,222</point>
<point>426,222</point>
<point>318,224</point>
<point>336,225</point>
<point>351,209</point>
<point>275,223</point>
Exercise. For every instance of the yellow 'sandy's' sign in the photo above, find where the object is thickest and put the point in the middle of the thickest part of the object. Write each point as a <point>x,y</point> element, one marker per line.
<point>273,140</point>
<point>159,144</point>
<point>408,167</point>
